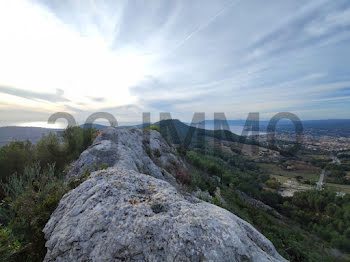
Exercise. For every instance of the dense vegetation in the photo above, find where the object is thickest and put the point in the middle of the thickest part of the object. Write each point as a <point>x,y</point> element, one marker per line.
<point>307,230</point>
<point>321,213</point>
<point>337,174</point>
<point>32,179</point>
<point>178,133</point>
<point>49,150</point>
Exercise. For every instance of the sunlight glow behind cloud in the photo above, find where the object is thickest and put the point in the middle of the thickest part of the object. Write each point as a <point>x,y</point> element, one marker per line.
<point>125,57</point>
<point>39,52</point>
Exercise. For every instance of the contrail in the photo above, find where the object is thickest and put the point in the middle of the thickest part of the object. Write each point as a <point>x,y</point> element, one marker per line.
<point>204,25</point>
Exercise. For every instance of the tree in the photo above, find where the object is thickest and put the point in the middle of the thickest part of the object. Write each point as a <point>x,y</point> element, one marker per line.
<point>49,151</point>
<point>76,140</point>
<point>14,157</point>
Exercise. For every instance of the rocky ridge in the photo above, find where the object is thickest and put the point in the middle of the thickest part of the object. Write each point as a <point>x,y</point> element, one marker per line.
<point>133,211</point>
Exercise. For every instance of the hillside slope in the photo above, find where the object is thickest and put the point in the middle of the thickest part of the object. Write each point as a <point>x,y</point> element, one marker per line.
<point>33,134</point>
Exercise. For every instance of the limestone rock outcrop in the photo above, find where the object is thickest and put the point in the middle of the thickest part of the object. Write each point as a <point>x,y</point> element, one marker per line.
<point>131,149</point>
<point>123,214</point>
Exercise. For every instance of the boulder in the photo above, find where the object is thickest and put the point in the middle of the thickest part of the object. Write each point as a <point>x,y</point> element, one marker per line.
<point>122,215</point>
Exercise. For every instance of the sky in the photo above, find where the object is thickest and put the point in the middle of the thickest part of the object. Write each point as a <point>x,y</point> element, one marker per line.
<point>129,57</point>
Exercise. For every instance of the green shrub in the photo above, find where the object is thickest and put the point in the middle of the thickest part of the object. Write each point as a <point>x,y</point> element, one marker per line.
<point>273,183</point>
<point>32,185</point>
<point>181,151</point>
<point>76,140</point>
<point>153,127</point>
<point>14,157</point>
<point>49,151</point>
<point>30,199</point>
<point>8,243</point>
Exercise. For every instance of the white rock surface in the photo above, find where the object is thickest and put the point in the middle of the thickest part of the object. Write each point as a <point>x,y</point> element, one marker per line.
<point>120,214</point>
<point>129,149</point>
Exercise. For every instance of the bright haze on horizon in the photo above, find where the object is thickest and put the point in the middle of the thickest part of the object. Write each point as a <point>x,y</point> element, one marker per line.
<point>129,57</point>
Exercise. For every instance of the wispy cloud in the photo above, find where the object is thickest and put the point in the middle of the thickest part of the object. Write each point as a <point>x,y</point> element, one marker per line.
<point>97,99</point>
<point>126,57</point>
<point>57,97</point>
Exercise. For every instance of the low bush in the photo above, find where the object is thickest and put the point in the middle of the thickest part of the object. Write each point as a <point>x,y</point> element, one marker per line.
<point>273,183</point>
<point>30,198</point>
<point>183,177</point>
<point>32,184</point>
<point>153,127</point>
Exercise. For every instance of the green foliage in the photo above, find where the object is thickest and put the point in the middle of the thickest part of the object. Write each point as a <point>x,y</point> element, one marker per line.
<point>181,151</point>
<point>76,140</point>
<point>320,162</point>
<point>190,137</point>
<point>323,213</point>
<point>32,186</point>
<point>8,243</point>
<point>337,174</point>
<point>14,157</point>
<point>49,151</point>
<point>273,183</point>
<point>229,169</point>
<point>217,199</point>
<point>154,127</point>
<point>30,199</point>
<point>289,238</point>
<point>205,162</point>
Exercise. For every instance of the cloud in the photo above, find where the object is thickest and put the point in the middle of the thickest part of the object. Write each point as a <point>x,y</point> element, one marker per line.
<point>313,25</point>
<point>58,97</point>
<point>205,24</point>
<point>97,99</point>
<point>126,57</point>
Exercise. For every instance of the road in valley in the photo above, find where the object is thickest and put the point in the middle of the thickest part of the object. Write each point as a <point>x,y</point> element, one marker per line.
<point>320,181</point>
<point>319,184</point>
